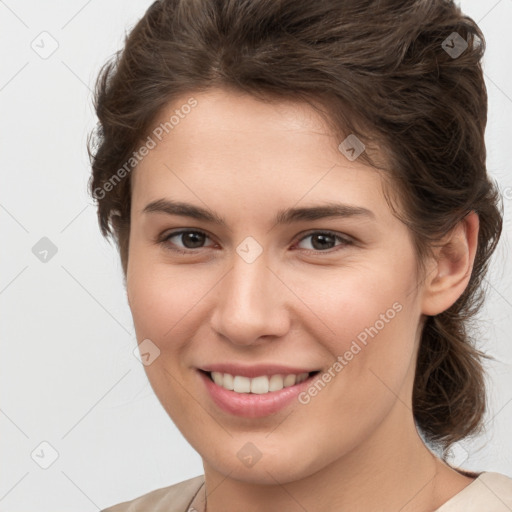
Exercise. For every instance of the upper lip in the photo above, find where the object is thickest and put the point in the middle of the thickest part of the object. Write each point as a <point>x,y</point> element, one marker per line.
<point>255,370</point>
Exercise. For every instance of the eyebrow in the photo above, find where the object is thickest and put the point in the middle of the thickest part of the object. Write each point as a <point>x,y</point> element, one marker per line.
<point>285,216</point>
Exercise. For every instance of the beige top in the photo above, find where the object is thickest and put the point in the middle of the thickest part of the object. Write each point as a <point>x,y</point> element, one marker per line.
<point>489,492</point>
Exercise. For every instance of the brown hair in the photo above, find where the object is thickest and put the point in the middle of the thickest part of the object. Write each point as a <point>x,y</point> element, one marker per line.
<point>385,71</point>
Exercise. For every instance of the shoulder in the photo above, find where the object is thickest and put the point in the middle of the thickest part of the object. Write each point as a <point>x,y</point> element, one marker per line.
<point>491,492</point>
<point>175,498</point>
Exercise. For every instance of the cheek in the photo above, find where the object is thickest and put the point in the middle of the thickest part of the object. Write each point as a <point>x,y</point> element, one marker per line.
<point>161,297</point>
<point>371,352</point>
<point>357,304</point>
<point>371,318</point>
<point>161,303</point>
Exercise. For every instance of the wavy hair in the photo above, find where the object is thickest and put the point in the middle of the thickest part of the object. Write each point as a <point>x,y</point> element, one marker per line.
<point>404,76</point>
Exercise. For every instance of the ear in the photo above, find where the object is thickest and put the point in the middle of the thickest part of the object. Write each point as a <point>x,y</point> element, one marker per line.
<point>449,275</point>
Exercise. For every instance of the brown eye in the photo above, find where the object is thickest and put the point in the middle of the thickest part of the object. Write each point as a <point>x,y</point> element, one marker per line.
<point>185,239</point>
<point>324,240</point>
<point>192,239</point>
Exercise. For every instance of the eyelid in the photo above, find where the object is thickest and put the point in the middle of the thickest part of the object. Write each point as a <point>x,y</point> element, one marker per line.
<point>345,240</point>
<point>164,238</point>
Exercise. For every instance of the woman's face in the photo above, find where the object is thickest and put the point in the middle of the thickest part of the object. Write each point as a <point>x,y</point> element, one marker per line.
<point>270,283</point>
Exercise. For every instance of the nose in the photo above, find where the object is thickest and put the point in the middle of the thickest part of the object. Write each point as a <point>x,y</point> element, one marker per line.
<point>251,304</point>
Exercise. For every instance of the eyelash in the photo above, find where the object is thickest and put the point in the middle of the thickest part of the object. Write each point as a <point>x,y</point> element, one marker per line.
<point>164,241</point>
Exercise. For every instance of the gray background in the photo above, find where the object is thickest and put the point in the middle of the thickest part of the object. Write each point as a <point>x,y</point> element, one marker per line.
<point>68,374</point>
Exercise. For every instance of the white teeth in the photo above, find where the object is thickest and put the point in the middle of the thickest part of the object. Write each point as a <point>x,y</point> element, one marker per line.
<point>218,378</point>
<point>289,380</point>
<point>258,385</point>
<point>228,382</point>
<point>275,383</point>
<point>240,384</point>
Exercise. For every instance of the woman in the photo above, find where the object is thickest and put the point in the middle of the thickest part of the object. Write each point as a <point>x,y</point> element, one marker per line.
<point>299,196</point>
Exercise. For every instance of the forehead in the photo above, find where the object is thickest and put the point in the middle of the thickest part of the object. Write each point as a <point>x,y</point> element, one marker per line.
<point>223,123</point>
<point>236,146</point>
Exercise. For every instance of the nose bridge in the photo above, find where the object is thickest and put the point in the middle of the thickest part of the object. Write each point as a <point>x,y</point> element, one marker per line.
<point>249,304</point>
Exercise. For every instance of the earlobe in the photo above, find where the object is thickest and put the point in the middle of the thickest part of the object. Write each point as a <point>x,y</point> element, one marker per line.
<point>450,274</point>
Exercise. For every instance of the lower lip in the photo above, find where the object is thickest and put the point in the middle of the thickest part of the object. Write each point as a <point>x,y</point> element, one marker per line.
<point>252,405</point>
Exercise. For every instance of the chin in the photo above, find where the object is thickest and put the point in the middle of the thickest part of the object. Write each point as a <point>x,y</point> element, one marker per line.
<point>268,470</point>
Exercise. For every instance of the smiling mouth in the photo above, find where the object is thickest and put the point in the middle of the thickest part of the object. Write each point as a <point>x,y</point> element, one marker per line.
<point>260,385</point>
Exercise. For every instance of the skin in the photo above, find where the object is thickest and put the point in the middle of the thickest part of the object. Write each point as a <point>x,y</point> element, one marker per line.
<point>354,446</point>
